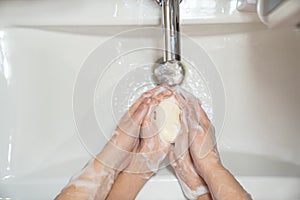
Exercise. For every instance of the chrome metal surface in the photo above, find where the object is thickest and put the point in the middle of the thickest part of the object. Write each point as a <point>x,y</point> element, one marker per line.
<point>171,70</point>
<point>170,21</point>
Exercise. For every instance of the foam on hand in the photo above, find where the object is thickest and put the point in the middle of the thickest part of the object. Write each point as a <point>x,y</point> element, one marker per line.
<point>167,119</point>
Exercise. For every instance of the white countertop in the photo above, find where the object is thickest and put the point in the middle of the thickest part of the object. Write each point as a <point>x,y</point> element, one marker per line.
<point>116,12</point>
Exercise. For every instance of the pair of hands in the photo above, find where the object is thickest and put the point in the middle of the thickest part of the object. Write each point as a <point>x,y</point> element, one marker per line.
<point>135,152</point>
<point>137,135</point>
<point>194,142</point>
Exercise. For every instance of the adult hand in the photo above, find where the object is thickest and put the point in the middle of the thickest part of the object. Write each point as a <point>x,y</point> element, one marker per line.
<point>192,184</point>
<point>204,154</point>
<point>95,180</point>
<point>151,150</point>
<point>201,137</point>
<point>148,153</point>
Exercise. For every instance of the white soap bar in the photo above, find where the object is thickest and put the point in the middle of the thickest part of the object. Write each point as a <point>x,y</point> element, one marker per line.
<point>167,119</point>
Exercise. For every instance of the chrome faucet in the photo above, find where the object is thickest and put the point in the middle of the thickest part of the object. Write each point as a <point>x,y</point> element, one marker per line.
<point>171,70</point>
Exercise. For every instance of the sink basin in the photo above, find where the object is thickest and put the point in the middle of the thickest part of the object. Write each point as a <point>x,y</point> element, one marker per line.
<point>40,60</point>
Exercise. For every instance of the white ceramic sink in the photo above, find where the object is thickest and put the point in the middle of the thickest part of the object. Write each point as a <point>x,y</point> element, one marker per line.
<point>39,63</point>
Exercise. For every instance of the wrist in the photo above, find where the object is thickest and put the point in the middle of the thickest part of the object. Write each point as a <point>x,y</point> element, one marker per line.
<point>123,141</point>
<point>127,184</point>
<point>206,169</point>
<point>141,178</point>
<point>208,165</point>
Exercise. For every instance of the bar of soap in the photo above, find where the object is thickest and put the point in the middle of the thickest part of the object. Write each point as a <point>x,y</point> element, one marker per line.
<point>167,119</point>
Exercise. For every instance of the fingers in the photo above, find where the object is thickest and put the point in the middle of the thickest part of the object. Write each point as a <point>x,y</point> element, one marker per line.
<point>208,139</point>
<point>204,120</point>
<point>155,95</point>
<point>181,144</point>
<point>148,119</point>
<point>130,124</point>
<point>136,104</point>
<point>202,117</point>
<point>180,99</point>
<point>125,138</point>
<point>201,135</point>
<point>144,96</point>
<point>133,123</point>
<point>189,114</point>
<point>141,112</point>
<point>163,95</point>
<point>157,90</point>
<point>208,143</point>
<point>143,107</point>
<point>149,125</point>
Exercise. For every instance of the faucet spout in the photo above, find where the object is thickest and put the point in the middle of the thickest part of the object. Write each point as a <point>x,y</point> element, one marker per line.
<point>171,70</point>
<point>170,21</point>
